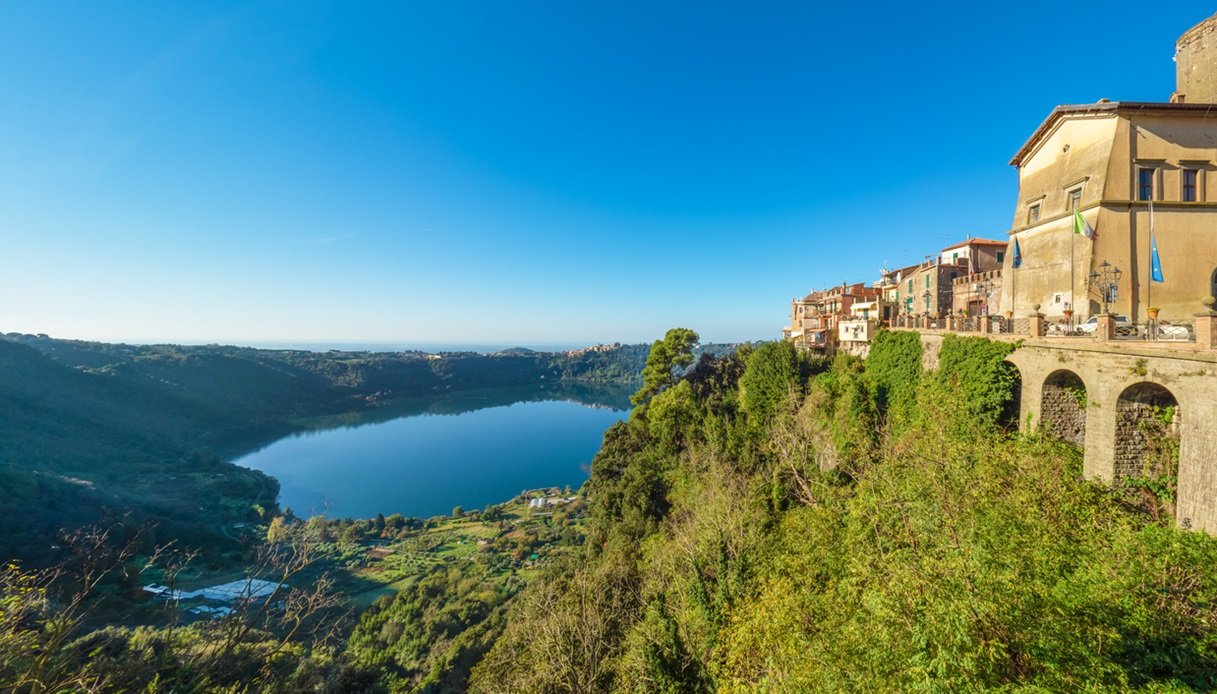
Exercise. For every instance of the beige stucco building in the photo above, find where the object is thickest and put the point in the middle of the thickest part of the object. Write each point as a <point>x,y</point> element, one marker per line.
<point>929,288</point>
<point>814,318</point>
<point>1109,161</point>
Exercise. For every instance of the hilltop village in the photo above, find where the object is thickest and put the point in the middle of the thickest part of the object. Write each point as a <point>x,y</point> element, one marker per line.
<point>1111,235</point>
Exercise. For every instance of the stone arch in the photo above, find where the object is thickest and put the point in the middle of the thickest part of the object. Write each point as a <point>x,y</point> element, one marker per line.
<point>1063,403</point>
<point>1147,431</point>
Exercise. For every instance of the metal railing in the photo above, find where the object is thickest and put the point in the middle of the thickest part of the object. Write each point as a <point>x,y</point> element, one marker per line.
<point>1151,331</point>
<point>1065,328</point>
<point>1162,331</point>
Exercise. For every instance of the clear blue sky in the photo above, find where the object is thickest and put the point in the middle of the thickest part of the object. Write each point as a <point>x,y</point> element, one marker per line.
<point>515,172</point>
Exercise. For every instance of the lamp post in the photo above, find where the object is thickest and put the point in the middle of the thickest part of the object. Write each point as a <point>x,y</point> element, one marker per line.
<point>984,288</point>
<point>1105,280</point>
<point>926,296</point>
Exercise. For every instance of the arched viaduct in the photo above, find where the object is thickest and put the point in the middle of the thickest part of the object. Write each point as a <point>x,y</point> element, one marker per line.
<point>1100,396</point>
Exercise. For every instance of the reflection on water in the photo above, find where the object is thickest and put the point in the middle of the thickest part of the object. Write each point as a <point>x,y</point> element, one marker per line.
<point>612,397</point>
<point>422,456</point>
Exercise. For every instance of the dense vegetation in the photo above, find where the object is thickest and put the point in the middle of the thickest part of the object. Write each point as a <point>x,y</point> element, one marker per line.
<point>435,591</point>
<point>763,521</point>
<point>872,527</point>
<point>91,431</point>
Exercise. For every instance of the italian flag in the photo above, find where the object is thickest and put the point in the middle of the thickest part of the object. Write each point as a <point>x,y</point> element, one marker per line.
<point>1081,226</point>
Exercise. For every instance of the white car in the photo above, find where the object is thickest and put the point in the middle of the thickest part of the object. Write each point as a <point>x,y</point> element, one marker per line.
<point>1091,324</point>
<point>1173,332</point>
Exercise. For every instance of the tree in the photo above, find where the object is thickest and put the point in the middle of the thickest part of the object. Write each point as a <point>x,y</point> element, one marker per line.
<point>673,352</point>
<point>457,511</point>
<point>770,378</point>
<point>278,529</point>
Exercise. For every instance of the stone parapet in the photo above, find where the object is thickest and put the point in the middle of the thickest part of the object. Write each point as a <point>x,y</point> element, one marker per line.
<point>1206,330</point>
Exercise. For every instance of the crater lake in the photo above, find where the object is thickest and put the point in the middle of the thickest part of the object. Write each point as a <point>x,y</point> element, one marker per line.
<point>423,456</point>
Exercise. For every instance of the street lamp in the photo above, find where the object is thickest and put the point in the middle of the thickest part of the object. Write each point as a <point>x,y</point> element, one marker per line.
<point>984,288</point>
<point>1106,279</point>
<point>926,296</point>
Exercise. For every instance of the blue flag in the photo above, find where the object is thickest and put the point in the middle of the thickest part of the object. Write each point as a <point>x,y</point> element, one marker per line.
<point>1155,263</point>
<point>1018,255</point>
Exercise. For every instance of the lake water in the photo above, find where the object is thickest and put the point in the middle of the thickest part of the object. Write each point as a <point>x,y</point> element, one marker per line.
<point>423,456</point>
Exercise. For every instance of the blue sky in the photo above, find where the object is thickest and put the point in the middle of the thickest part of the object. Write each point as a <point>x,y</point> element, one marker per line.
<point>515,172</point>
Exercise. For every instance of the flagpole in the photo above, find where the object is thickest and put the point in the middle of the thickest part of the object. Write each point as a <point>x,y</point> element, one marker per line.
<point>1072,282</point>
<point>1149,286</point>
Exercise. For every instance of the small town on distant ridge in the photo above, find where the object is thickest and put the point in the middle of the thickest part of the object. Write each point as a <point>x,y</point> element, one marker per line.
<point>1111,236</point>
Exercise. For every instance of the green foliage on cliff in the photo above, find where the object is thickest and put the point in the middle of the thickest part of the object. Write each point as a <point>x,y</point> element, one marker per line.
<point>975,367</point>
<point>882,531</point>
<point>666,358</point>
<point>773,374</point>
<point>893,370</point>
<point>428,637</point>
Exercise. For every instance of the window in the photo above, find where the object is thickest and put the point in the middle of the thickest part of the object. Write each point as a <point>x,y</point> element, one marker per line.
<point>1075,199</point>
<point>1033,213</point>
<point>954,258</point>
<point>1001,257</point>
<point>910,286</point>
<point>1145,184</point>
<point>1189,185</point>
<point>927,281</point>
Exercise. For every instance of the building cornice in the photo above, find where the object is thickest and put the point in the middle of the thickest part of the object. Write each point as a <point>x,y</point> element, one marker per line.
<point>1106,109</point>
<point>1173,205</point>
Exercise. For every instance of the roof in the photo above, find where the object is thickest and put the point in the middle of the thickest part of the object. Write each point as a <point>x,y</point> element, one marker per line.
<point>1106,108</point>
<point>975,242</point>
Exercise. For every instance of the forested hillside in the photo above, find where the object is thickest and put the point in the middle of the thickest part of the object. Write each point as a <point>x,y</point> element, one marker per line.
<point>771,523</point>
<point>90,431</point>
<point>762,522</point>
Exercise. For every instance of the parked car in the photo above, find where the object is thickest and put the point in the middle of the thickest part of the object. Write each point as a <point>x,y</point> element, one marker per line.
<point>1166,331</point>
<point>1091,324</point>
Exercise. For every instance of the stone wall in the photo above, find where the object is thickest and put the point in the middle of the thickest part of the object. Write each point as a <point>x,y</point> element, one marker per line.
<point>1124,381</point>
<point>931,345</point>
<point>1195,76</point>
<point>1145,445</point>
<point>1063,410</point>
<point>857,349</point>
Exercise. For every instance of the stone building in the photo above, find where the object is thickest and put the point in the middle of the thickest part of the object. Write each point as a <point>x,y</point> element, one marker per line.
<point>977,292</point>
<point>814,318</point>
<point>976,255</point>
<point>1112,163</point>
<point>929,288</point>
<point>806,317</point>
